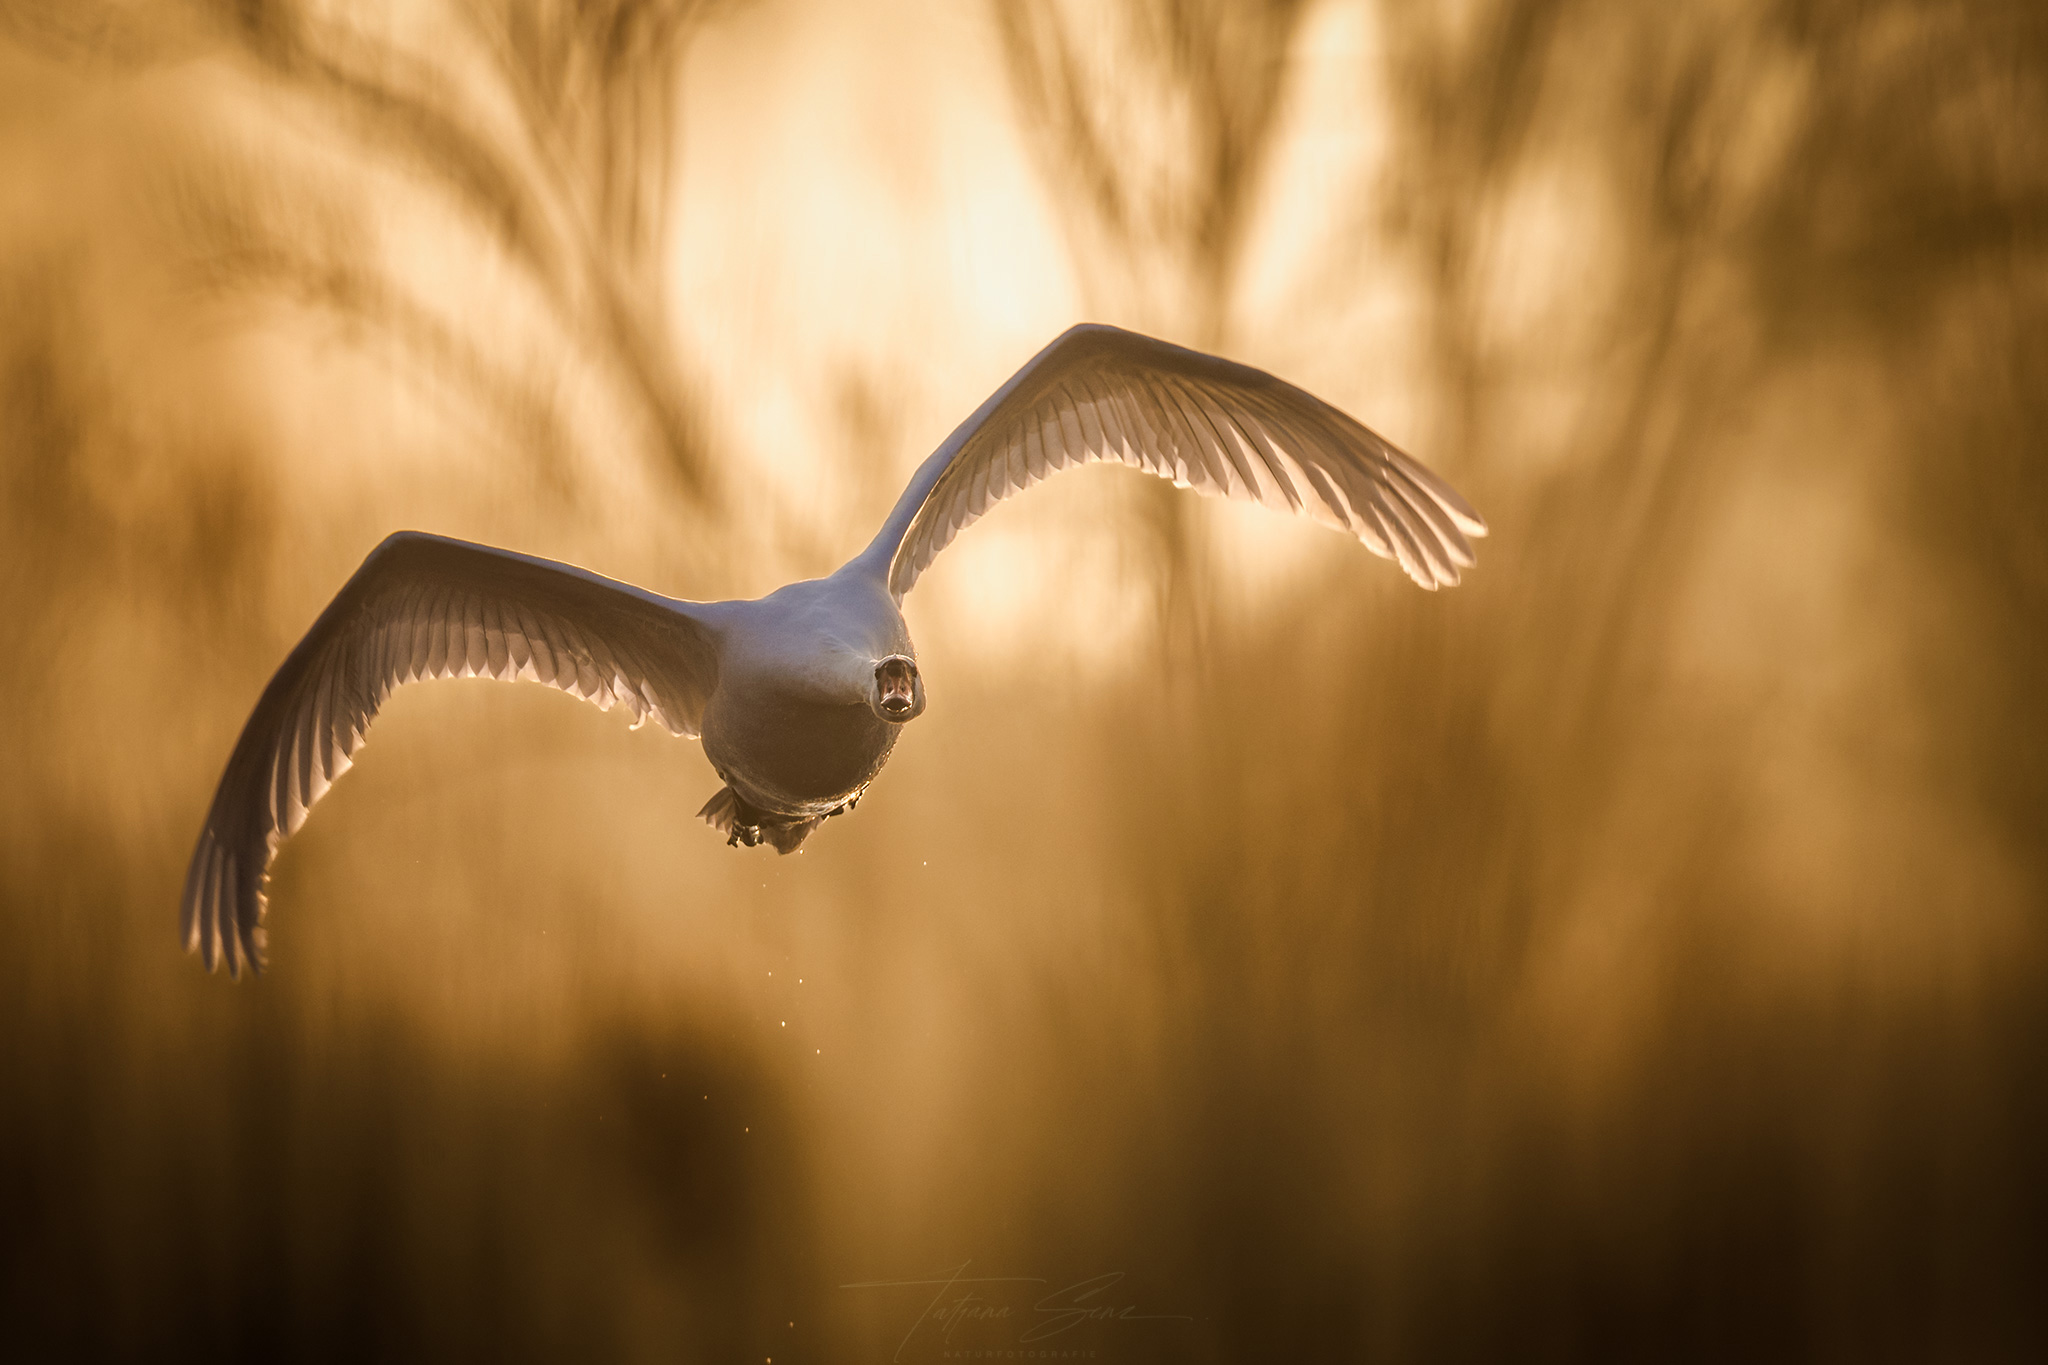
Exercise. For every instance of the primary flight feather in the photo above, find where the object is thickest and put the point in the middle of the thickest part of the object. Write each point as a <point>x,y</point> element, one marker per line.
<point>797,696</point>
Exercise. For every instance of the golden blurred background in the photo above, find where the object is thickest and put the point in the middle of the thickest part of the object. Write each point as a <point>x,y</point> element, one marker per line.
<point>1637,953</point>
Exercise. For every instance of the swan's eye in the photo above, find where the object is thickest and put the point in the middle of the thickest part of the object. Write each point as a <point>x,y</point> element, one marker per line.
<point>896,681</point>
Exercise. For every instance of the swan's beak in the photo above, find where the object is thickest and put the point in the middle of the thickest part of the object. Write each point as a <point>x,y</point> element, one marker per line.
<point>899,692</point>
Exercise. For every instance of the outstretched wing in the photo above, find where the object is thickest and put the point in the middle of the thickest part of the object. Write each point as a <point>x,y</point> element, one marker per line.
<point>1101,393</point>
<point>424,606</point>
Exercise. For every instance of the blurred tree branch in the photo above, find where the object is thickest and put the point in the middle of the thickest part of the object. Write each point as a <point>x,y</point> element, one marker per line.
<point>573,184</point>
<point>1150,121</point>
<point>549,125</point>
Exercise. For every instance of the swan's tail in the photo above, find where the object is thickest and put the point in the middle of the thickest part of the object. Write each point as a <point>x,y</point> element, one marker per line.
<point>743,823</point>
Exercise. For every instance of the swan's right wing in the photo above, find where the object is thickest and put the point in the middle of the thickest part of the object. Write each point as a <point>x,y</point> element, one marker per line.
<point>424,606</point>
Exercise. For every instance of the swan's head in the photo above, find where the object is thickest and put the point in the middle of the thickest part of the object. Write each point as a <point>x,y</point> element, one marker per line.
<point>898,693</point>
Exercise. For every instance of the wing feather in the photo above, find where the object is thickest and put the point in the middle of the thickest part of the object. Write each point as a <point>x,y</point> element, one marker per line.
<point>1155,453</point>
<point>423,607</point>
<point>1091,434</point>
<point>1178,438</point>
<point>1171,451</point>
<point>1449,539</point>
<point>1242,482</point>
<point>1065,411</point>
<point>1016,464</point>
<point>1044,428</point>
<point>437,634</point>
<point>1278,468</point>
<point>540,647</point>
<point>977,491</point>
<point>497,654</point>
<point>1258,477</point>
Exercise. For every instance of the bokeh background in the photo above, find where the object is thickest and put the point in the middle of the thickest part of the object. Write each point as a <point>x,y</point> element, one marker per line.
<point>1636,953</point>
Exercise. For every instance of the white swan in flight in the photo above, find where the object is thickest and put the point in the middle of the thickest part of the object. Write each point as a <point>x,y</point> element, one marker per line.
<point>796,696</point>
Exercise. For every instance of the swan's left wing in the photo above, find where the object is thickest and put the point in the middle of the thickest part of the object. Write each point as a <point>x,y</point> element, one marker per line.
<point>1101,393</point>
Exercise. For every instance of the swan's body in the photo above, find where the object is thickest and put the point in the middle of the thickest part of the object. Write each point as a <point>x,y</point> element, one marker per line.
<point>797,696</point>
<point>796,726</point>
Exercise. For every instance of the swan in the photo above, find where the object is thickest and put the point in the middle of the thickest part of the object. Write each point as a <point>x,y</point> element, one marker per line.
<point>797,697</point>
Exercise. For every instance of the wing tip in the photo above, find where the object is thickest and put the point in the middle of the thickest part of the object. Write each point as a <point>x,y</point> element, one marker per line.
<point>1440,492</point>
<point>1427,576</point>
<point>221,916</point>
